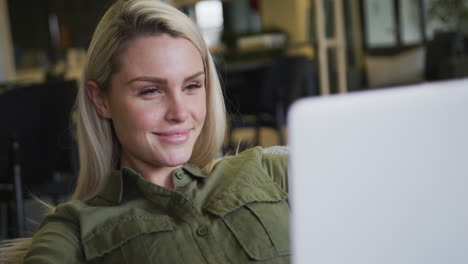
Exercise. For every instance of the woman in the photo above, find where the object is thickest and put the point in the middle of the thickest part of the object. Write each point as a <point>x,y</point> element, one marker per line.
<point>150,119</point>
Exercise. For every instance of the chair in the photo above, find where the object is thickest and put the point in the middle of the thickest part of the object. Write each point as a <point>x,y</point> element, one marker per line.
<point>267,91</point>
<point>287,79</point>
<point>242,83</point>
<point>36,146</point>
<point>446,57</point>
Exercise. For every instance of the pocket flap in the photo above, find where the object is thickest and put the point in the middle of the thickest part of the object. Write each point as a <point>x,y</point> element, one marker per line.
<point>230,200</point>
<point>262,229</point>
<point>108,237</point>
<point>275,219</point>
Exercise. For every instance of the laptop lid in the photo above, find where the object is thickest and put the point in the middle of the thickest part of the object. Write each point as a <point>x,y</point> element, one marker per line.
<point>381,176</point>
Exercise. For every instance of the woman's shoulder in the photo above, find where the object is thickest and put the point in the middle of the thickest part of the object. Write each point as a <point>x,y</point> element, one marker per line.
<point>83,214</point>
<point>259,163</point>
<point>259,153</point>
<point>93,220</point>
<point>67,214</point>
<point>67,211</point>
<point>271,158</point>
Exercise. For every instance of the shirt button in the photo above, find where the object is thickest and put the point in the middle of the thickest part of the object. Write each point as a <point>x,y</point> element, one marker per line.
<point>202,231</point>
<point>179,175</point>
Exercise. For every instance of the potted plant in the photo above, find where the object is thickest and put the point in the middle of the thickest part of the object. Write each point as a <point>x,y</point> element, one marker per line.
<point>452,13</point>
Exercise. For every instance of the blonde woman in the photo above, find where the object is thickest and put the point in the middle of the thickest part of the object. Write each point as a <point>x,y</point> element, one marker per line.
<point>150,119</point>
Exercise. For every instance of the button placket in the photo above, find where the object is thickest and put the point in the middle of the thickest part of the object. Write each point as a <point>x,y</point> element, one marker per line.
<point>202,231</point>
<point>179,175</point>
<point>180,178</point>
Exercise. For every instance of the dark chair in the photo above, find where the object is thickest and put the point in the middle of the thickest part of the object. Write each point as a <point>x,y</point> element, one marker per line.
<point>242,84</point>
<point>36,146</point>
<point>265,93</point>
<point>287,79</point>
<point>446,57</point>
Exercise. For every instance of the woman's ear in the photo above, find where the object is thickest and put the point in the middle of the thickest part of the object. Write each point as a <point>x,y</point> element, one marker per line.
<point>98,98</point>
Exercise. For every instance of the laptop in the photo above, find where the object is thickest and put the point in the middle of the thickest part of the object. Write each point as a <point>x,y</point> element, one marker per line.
<point>381,177</point>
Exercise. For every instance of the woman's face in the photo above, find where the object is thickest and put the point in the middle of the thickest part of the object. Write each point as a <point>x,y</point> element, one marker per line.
<point>157,101</point>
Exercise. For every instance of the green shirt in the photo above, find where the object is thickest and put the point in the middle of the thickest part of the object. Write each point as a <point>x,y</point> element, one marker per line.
<point>237,214</point>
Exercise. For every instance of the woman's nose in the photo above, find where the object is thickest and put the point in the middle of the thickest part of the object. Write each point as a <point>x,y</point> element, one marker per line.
<point>177,110</point>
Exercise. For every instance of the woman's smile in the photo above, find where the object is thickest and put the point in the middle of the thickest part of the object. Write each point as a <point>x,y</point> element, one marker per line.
<point>176,136</point>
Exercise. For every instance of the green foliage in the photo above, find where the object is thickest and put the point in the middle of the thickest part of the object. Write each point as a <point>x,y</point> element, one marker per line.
<point>453,13</point>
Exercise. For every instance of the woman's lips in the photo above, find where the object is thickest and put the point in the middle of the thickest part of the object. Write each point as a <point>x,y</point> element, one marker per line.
<point>174,137</point>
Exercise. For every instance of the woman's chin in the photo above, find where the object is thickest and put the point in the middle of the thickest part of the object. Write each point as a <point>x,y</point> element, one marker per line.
<point>176,160</point>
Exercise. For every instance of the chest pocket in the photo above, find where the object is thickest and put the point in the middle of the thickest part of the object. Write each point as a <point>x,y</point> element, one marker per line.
<point>258,217</point>
<point>118,239</point>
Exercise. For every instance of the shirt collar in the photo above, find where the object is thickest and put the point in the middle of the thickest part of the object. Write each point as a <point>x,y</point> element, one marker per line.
<point>114,188</point>
<point>194,170</point>
<point>125,178</point>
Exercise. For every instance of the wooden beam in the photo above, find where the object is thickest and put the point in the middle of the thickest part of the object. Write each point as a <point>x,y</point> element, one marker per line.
<point>337,42</point>
<point>7,64</point>
<point>322,48</point>
<point>340,46</point>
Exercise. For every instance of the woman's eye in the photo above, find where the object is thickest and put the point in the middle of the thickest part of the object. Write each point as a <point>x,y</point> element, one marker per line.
<point>149,91</point>
<point>193,86</point>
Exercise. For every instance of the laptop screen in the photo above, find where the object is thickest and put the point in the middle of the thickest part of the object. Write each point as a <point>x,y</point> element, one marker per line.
<point>381,176</point>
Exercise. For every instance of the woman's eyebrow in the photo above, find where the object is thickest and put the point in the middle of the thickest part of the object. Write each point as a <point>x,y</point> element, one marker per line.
<point>162,80</point>
<point>148,79</point>
<point>193,76</point>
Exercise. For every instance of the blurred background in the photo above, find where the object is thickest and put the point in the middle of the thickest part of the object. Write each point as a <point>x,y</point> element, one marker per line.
<point>269,53</point>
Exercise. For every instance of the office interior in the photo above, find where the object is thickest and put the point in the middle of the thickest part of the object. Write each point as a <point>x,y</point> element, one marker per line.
<point>269,54</point>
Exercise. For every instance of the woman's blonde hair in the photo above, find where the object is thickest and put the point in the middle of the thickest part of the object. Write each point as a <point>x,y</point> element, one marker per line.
<point>98,147</point>
<point>124,21</point>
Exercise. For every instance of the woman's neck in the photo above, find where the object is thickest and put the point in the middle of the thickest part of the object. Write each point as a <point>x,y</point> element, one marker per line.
<point>158,179</point>
<point>158,175</point>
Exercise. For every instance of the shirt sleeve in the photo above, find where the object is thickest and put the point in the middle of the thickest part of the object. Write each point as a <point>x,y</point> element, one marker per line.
<point>276,166</point>
<point>56,241</point>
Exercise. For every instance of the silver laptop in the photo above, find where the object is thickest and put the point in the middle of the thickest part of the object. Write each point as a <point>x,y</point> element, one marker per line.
<point>381,177</point>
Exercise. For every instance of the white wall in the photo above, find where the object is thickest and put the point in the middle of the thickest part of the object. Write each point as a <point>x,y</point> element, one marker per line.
<point>7,66</point>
